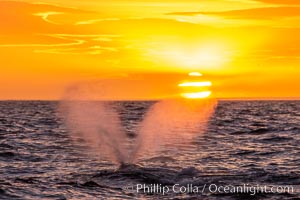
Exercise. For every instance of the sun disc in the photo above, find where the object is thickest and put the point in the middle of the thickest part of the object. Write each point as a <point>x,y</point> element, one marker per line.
<point>196,95</point>
<point>195,84</point>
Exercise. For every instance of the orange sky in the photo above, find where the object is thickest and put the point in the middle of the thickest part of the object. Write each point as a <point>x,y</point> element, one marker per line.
<point>246,48</point>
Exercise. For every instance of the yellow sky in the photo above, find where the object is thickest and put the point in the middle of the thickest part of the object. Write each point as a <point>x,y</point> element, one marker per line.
<point>246,48</point>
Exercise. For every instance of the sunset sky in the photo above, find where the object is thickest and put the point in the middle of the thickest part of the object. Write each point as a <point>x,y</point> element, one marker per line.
<point>246,48</point>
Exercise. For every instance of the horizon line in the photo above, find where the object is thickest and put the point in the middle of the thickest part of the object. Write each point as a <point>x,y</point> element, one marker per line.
<point>221,99</point>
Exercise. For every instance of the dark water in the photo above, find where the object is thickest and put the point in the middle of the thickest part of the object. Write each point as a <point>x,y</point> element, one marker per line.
<point>247,143</point>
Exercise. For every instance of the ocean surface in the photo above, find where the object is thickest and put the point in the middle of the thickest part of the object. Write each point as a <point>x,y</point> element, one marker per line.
<point>247,144</point>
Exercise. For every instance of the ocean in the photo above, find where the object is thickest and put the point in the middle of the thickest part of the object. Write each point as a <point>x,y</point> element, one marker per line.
<point>248,150</point>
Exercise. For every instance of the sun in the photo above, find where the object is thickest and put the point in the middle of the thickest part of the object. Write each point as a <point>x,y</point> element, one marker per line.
<point>196,95</point>
<point>195,89</point>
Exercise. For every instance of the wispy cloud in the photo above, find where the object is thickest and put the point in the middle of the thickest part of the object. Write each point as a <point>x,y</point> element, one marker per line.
<point>82,44</point>
<point>255,13</point>
<point>286,2</point>
<point>93,21</point>
<point>45,16</point>
<point>72,42</point>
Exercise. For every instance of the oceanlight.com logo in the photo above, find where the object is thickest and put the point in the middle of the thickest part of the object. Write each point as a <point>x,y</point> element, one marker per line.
<point>252,190</point>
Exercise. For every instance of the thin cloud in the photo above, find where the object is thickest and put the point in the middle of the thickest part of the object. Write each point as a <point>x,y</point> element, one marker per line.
<point>45,16</point>
<point>255,13</point>
<point>286,2</point>
<point>22,7</point>
<point>93,21</point>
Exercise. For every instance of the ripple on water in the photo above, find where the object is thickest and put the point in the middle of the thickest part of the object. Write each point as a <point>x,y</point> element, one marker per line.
<point>246,142</point>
